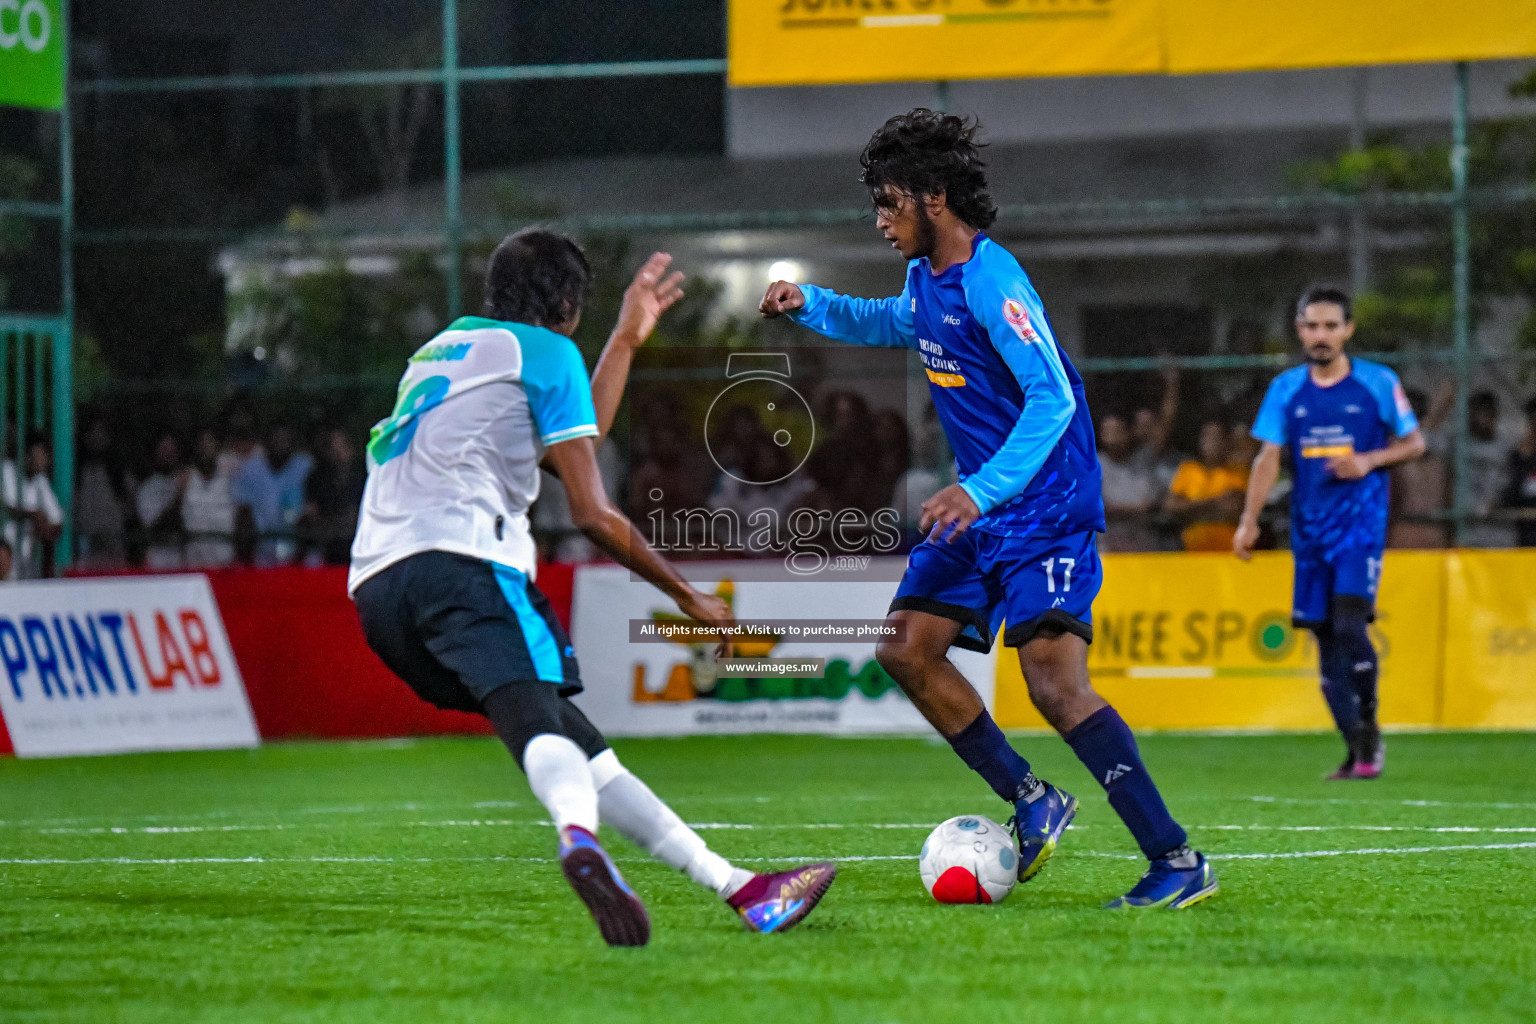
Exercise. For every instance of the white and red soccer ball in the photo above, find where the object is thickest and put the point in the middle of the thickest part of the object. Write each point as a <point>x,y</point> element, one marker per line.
<point>969,859</point>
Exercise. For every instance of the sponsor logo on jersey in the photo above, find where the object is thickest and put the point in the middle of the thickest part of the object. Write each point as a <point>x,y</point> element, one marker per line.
<point>1018,318</point>
<point>442,353</point>
<point>951,319</point>
<point>946,380</point>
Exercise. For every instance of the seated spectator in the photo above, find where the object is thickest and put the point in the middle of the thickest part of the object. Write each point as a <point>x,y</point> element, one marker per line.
<point>1207,493</point>
<point>269,497</point>
<point>159,506</point>
<point>929,474</point>
<point>1419,490</point>
<point>241,439</point>
<point>1487,466</point>
<point>1131,491</point>
<point>33,518</point>
<point>332,496</point>
<point>1521,492</point>
<point>104,502</point>
<point>1151,428</point>
<point>207,509</point>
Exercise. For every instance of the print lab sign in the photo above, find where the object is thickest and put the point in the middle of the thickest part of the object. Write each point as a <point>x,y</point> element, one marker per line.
<point>105,666</point>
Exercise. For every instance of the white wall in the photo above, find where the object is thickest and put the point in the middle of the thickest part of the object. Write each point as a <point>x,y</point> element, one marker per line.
<point>838,119</point>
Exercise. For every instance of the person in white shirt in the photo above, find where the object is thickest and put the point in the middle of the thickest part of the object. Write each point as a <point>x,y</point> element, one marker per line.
<point>207,509</point>
<point>159,506</point>
<point>33,518</point>
<point>443,565</point>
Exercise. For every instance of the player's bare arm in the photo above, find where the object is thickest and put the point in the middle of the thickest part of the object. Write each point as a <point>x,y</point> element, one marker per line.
<point>782,297</point>
<point>597,517</point>
<point>1358,465</point>
<point>1266,470</point>
<point>652,292</point>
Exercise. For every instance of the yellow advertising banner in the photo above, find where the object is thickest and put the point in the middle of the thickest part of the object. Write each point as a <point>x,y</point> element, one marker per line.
<point>820,42</point>
<point>1220,35</point>
<point>1196,641</point>
<point>1490,640</point>
<point>812,42</point>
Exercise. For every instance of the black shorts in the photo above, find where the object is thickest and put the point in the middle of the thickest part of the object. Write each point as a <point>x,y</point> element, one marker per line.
<point>456,628</point>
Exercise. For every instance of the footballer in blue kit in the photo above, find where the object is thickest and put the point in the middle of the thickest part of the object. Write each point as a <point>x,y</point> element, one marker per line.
<point>1342,422</point>
<point>1014,541</point>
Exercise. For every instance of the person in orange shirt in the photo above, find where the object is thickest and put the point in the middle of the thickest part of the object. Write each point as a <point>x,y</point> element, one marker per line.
<point>1207,492</point>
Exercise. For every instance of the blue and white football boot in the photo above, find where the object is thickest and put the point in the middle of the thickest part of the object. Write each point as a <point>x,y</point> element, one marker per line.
<point>1167,886</point>
<point>1038,825</point>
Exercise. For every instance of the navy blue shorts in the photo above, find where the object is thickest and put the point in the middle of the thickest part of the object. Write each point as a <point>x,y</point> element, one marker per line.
<point>455,628</point>
<point>981,580</point>
<point>1354,574</point>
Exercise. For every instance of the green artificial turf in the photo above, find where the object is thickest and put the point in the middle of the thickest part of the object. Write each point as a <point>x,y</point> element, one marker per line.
<point>410,882</point>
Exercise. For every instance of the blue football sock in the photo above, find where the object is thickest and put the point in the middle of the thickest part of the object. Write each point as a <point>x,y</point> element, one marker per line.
<point>1103,742</point>
<point>1359,666</point>
<point>983,747</point>
<point>1338,689</point>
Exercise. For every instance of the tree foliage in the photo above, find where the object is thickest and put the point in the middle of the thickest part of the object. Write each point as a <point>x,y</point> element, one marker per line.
<point>1413,301</point>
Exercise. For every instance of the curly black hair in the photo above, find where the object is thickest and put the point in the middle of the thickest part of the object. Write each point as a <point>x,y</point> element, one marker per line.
<point>922,153</point>
<point>536,277</point>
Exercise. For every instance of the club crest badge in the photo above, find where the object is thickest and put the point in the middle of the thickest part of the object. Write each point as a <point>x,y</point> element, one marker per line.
<point>1018,318</point>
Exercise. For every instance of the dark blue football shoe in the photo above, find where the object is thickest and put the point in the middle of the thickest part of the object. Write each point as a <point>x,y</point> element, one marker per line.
<point>1167,886</point>
<point>1038,825</point>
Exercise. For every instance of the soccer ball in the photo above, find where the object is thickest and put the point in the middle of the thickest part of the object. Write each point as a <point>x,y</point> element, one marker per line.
<point>969,859</point>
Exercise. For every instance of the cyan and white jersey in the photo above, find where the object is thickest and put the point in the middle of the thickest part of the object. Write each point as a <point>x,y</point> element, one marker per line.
<point>456,466</point>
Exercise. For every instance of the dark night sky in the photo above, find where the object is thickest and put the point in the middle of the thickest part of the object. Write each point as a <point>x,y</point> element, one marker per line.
<point>236,161</point>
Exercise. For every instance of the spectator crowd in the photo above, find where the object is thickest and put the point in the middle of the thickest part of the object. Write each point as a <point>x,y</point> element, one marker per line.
<point>1156,500</point>
<point>233,494</point>
<point>225,495</point>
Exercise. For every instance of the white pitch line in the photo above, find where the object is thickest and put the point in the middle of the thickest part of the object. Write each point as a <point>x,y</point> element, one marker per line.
<point>1386,803</point>
<point>752,827</point>
<point>1295,855</point>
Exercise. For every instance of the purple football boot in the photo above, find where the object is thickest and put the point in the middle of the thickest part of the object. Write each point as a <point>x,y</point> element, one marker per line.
<point>778,902</point>
<point>619,914</point>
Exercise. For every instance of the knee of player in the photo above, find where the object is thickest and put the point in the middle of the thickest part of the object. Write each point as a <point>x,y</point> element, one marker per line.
<point>903,660</point>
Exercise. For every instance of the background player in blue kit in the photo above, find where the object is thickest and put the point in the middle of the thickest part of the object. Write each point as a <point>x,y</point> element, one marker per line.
<point>1343,422</point>
<point>1014,540</point>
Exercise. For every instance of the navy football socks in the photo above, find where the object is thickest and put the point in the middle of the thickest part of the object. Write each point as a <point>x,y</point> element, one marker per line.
<point>1103,742</point>
<point>1358,658</point>
<point>983,747</point>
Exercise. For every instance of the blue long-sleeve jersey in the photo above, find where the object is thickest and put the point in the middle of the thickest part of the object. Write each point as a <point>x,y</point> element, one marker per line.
<point>1009,399</point>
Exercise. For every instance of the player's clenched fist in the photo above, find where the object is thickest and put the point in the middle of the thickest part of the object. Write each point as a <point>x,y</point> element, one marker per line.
<point>782,297</point>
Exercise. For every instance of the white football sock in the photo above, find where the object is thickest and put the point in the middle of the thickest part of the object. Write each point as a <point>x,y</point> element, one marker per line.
<point>629,805</point>
<point>558,773</point>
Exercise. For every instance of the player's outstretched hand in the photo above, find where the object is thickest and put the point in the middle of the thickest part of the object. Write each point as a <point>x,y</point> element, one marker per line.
<point>1243,541</point>
<point>782,297</point>
<point>948,514</point>
<point>650,294</point>
<point>710,610</point>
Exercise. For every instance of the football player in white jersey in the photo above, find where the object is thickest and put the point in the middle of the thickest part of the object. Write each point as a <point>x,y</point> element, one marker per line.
<point>443,564</point>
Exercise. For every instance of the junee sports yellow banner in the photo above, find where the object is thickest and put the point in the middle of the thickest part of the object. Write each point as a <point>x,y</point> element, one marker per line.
<point>817,42</point>
<point>1203,641</point>
<point>806,42</point>
<point>1244,35</point>
<point>1490,640</point>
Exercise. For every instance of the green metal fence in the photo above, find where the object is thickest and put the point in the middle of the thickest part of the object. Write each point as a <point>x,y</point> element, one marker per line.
<point>456,232</point>
<point>35,400</point>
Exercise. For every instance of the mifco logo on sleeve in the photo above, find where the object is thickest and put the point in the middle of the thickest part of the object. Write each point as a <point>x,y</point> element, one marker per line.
<point>108,653</point>
<point>28,23</point>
